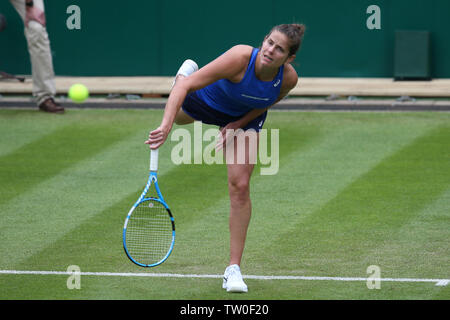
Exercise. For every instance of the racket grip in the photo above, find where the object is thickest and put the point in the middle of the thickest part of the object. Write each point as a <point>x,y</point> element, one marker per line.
<point>154,160</point>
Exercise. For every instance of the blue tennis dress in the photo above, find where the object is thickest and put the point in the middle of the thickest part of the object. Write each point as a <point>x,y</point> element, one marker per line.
<point>237,99</point>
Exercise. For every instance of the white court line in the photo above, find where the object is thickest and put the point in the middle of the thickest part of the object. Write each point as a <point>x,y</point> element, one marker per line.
<point>438,282</point>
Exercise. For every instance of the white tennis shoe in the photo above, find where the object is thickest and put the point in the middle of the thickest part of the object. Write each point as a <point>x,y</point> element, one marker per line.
<point>187,68</point>
<point>232,279</point>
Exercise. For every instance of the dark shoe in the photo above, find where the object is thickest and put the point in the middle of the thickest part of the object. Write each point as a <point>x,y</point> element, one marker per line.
<point>50,105</point>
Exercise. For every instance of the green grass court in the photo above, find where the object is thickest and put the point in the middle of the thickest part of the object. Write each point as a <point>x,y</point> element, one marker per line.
<point>353,189</point>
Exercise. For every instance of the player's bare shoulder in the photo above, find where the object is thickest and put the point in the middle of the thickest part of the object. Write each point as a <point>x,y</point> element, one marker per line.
<point>242,50</point>
<point>240,54</point>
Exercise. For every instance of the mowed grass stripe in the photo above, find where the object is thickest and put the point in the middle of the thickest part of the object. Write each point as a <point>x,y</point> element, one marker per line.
<point>60,198</point>
<point>341,237</point>
<point>72,197</point>
<point>64,140</point>
<point>208,201</point>
<point>198,197</point>
<point>94,241</point>
<point>50,155</point>
<point>204,226</point>
<point>208,234</point>
<point>312,178</point>
<point>95,244</point>
<point>421,242</point>
<point>21,127</point>
<point>428,253</point>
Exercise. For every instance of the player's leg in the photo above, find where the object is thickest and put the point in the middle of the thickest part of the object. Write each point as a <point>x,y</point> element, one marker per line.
<point>239,175</point>
<point>240,213</point>
<point>240,208</point>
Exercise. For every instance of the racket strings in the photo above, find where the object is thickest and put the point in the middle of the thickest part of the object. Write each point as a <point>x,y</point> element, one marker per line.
<point>149,232</point>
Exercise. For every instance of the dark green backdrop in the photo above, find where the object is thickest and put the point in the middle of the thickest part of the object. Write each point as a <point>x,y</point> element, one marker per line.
<point>135,37</point>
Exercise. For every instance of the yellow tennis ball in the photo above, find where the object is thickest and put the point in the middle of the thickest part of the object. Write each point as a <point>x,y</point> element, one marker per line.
<point>78,92</point>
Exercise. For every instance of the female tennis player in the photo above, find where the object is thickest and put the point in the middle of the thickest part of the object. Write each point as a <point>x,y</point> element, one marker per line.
<point>234,91</point>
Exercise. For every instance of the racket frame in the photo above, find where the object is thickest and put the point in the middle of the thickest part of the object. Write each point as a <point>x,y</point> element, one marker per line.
<point>153,178</point>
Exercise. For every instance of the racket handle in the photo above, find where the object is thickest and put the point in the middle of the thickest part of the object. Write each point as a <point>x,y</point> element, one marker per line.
<point>154,160</point>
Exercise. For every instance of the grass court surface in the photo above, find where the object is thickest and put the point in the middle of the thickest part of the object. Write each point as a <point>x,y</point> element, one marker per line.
<point>354,189</point>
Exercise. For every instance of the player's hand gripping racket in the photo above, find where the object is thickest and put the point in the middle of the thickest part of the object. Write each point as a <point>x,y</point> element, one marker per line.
<point>149,229</point>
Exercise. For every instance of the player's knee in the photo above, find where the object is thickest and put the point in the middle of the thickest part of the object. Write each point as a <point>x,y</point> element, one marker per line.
<point>239,187</point>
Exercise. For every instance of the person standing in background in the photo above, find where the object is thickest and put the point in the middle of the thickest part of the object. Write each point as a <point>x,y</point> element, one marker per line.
<point>32,13</point>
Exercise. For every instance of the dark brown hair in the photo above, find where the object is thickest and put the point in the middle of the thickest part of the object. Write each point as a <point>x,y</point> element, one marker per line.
<point>294,32</point>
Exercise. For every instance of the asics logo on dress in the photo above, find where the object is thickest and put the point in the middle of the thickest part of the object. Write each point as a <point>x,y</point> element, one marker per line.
<point>277,83</point>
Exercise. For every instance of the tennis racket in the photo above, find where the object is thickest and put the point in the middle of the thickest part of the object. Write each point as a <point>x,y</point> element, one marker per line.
<point>149,229</point>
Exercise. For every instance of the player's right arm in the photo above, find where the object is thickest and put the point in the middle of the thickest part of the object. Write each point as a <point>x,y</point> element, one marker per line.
<point>229,65</point>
